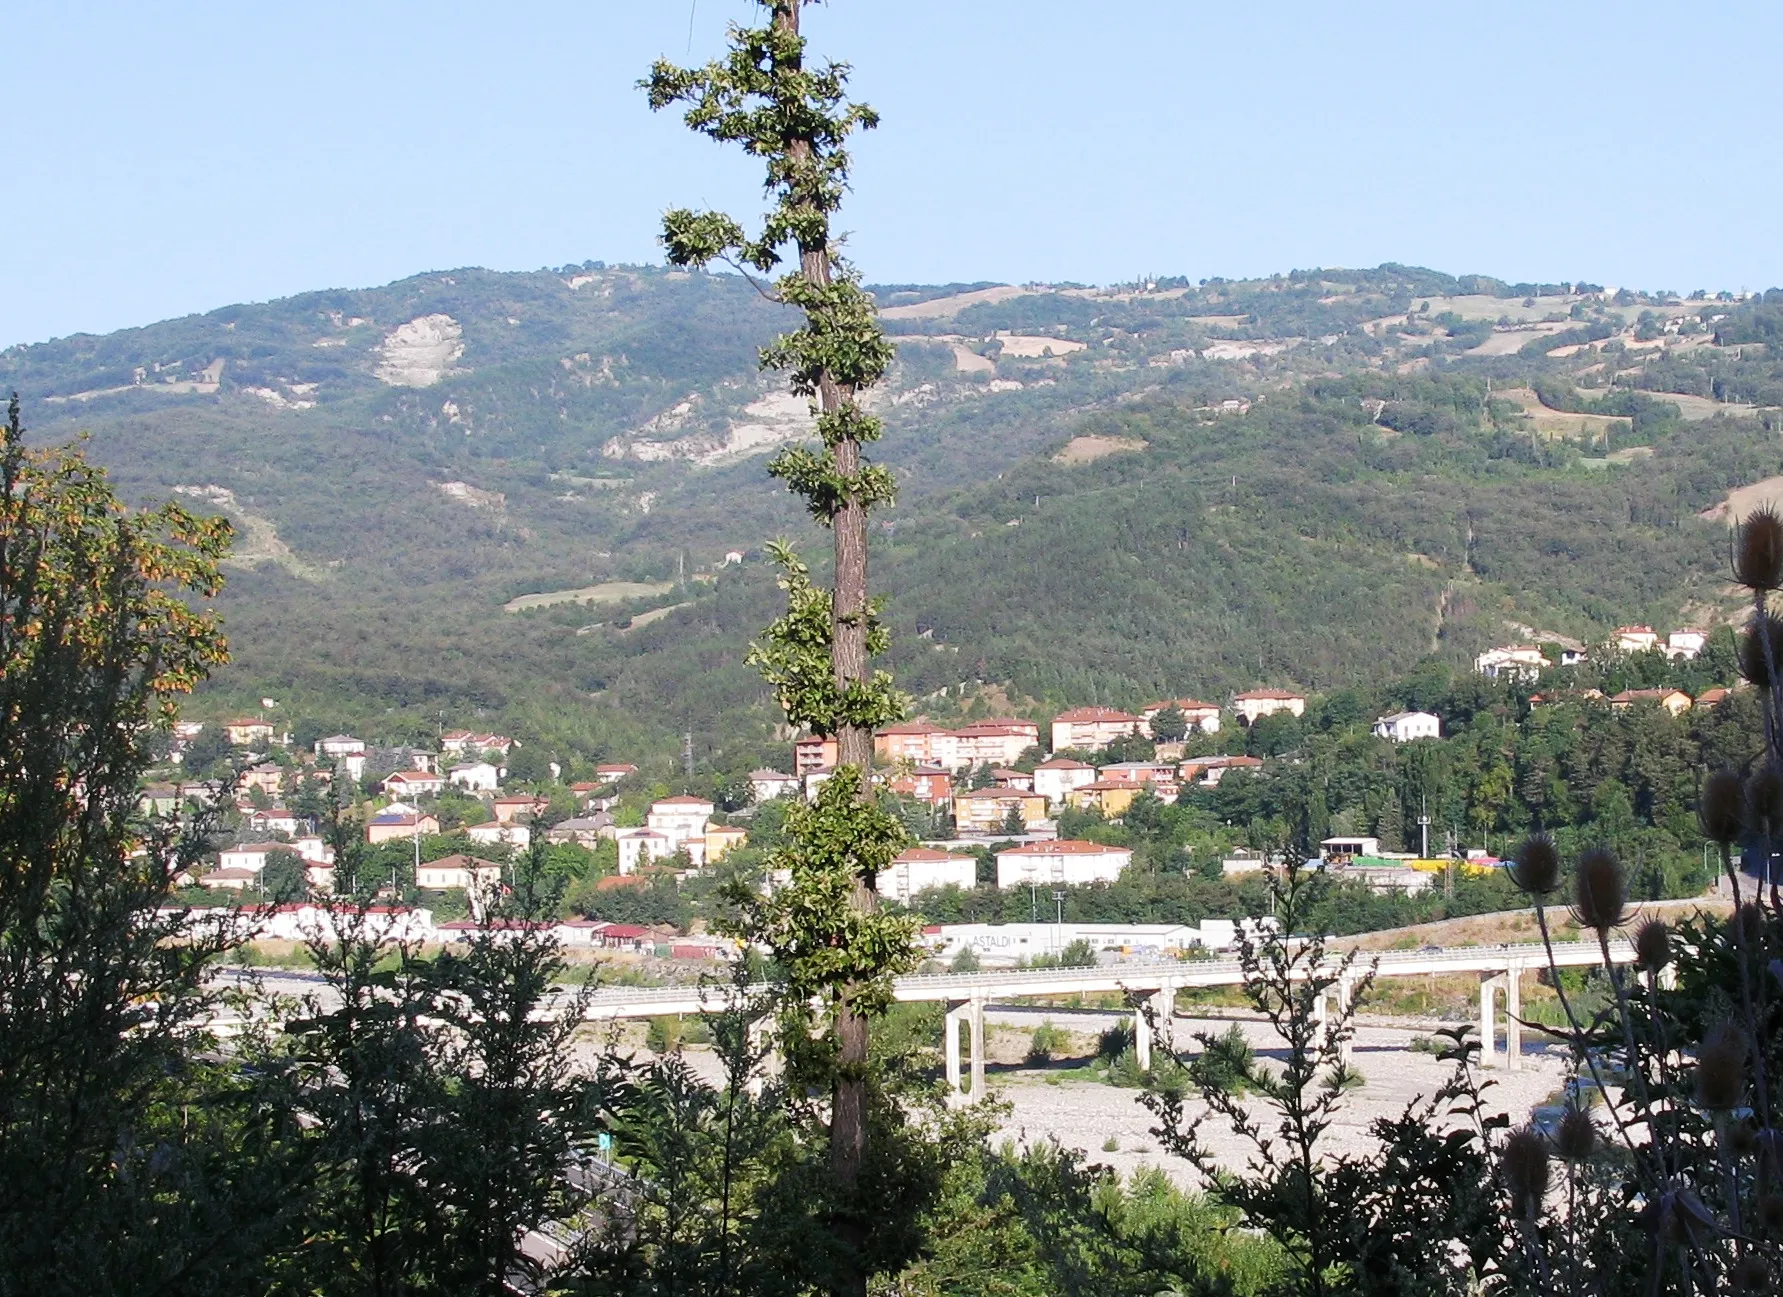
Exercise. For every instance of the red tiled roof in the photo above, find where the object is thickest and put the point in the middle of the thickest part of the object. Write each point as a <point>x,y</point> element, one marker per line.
<point>1181,704</point>
<point>684,800</point>
<point>925,855</point>
<point>1064,763</point>
<point>1270,693</point>
<point>912,727</point>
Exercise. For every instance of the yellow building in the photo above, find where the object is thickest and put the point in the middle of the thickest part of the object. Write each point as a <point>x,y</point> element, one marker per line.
<point>1111,798</point>
<point>721,840</point>
<point>985,810</point>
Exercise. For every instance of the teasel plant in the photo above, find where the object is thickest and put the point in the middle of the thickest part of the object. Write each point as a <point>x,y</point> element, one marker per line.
<point>1681,1190</point>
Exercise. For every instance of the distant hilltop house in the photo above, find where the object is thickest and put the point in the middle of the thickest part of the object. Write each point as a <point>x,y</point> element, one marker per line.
<point>1004,778</point>
<point>475,777</point>
<point>1512,662</point>
<point>274,819</point>
<point>766,785</point>
<point>389,827</point>
<point>1675,701</point>
<point>518,808</point>
<point>1405,727</point>
<point>339,745</point>
<point>247,733</point>
<point>467,873</point>
<point>1048,864</point>
<point>1090,729</point>
<point>582,830</point>
<point>986,810</point>
<point>929,784</point>
<point>1141,772</point>
<point>1055,779</point>
<point>1208,771</point>
<point>1109,796</point>
<point>1711,698</point>
<point>921,869</point>
<point>1636,639</point>
<point>1253,706</point>
<point>494,832</point>
<point>612,772</point>
<point>1685,644</point>
<point>465,743</point>
<point>268,777</point>
<point>979,743</point>
<point>815,752</point>
<point>1199,715</point>
<point>413,783</point>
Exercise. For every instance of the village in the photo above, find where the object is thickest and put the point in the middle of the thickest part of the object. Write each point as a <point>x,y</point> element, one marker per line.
<point>995,791</point>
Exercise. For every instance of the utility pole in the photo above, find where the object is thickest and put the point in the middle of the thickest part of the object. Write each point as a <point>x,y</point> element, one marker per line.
<point>1424,828</point>
<point>687,754</point>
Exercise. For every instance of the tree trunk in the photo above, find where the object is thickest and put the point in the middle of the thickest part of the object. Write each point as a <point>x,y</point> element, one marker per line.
<point>848,655</point>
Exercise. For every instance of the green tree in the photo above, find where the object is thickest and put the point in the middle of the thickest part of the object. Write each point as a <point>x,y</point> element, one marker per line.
<point>1170,725</point>
<point>797,118</point>
<point>108,1110</point>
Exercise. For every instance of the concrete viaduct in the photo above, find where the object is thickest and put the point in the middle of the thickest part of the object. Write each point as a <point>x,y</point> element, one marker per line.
<point>1151,988</point>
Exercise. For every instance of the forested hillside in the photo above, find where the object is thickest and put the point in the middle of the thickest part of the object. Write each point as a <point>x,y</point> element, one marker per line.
<point>1107,494</point>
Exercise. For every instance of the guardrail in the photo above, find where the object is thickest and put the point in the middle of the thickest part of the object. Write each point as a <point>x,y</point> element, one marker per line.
<point>1139,975</point>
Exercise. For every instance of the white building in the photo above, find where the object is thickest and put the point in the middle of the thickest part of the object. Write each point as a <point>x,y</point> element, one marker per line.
<point>1049,864</point>
<point>340,745</point>
<point>1251,707</point>
<point>682,820</point>
<point>476,777</point>
<point>466,873</point>
<point>638,847</point>
<point>1685,644</point>
<point>1199,715</point>
<point>1403,727</point>
<point>1055,779</point>
<point>495,832</point>
<point>1512,662</point>
<point>1636,639</point>
<point>769,784</point>
<point>920,869</point>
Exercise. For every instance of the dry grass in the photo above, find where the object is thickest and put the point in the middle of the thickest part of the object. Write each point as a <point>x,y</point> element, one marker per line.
<point>1742,500</point>
<point>1081,450</point>
<point>605,592</point>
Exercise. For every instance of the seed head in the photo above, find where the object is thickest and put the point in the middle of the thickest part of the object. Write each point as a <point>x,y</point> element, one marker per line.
<point>1751,1274</point>
<point>1742,1138</point>
<point>1770,1213</point>
<point>1721,806</point>
<point>1754,664</point>
<point>1764,803</point>
<point>1758,550</point>
<point>1576,1135</point>
<point>1535,867</point>
<point>1600,893</point>
<point>1653,945</point>
<point>1721,1069</point>
<point>1525,1166</point>
<point>1746,925</point>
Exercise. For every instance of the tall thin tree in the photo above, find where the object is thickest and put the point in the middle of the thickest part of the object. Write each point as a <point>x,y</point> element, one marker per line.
<point>764,97</point>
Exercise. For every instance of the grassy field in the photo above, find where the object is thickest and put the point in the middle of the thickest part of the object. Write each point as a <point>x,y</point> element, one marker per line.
<point>606,592</point>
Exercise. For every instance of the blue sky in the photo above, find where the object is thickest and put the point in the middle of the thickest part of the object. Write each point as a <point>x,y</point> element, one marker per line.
<point>168,158</point>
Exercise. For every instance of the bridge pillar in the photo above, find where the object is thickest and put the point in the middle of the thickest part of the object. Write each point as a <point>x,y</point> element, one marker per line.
<point>1142,1038</point>
<point>1489,987</point>
<point>1513,1009</point>
<point>1345,990</point>
<point>1322,1016</point>
<point>976,1018</point>
<point>1164,1013</point>
<point>951,1044</point>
